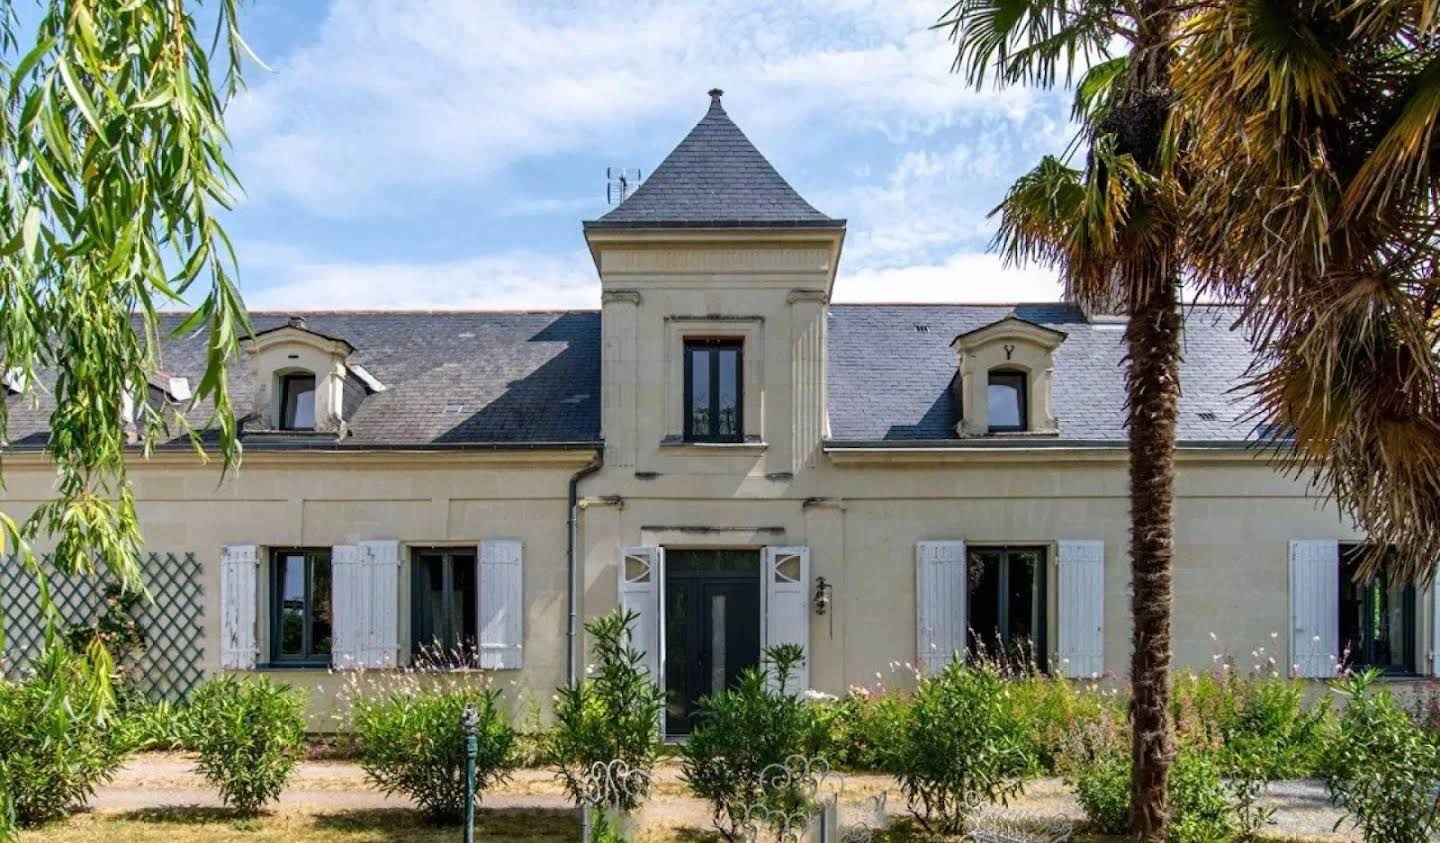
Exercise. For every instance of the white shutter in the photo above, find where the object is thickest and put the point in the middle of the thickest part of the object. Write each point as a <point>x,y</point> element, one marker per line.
<point>786,606</point>
<point>238,567</point>
<point>640,578</point>
<point>941,610</point>
<point>1435,625</point>
<point>502,604</point>
<point>348,607</point>
<point>380,603</point>
<point>1314,607</point>
<point>1081,566</point>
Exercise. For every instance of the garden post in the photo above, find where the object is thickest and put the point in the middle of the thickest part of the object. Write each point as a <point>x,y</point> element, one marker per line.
<point>467,722</point>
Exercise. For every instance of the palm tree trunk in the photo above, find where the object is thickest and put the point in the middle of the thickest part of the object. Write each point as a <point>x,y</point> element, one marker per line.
<point>1153,336</point>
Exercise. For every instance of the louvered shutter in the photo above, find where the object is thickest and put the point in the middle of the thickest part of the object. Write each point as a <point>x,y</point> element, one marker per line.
<point>1314,607</point>
<point>380,563</point>
<point>941,610</point>
<point>1081,567</point>
<point>640,576</point>
<point>502,605</point>
<point>786,608</point>
<point>1435,626</point>
<point>238,570</point>
<point>349,609</point>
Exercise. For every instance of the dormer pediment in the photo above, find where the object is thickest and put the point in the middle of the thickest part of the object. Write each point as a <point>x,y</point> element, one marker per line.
<point>1011,329</point>
<point>304,380</point>
<point>296,333</point>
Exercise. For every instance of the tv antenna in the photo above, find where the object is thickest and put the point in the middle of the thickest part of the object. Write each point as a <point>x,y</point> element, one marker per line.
<point>620,182</point>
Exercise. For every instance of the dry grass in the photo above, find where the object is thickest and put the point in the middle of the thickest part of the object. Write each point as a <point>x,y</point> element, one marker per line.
<point>215,825</point>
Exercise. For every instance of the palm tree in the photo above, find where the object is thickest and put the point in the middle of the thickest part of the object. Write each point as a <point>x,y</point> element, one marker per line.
<point>1311,128</point>
<point>1112,227</point>
<point>1283,156</point>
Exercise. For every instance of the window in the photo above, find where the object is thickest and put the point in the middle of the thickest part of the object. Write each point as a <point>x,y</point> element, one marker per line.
<point>713,391</point>
<point>1006,401</point>
<point>1377,618</point>
<point>1007,604</point>
<point>297,402</point>
<point>444,607</point>
<point>300,607</point>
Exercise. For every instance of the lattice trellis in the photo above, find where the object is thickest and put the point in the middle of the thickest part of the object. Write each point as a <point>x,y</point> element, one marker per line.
<point>169,665</point>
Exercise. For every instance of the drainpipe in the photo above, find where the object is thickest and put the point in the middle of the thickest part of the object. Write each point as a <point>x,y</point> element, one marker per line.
<point>572,632</point>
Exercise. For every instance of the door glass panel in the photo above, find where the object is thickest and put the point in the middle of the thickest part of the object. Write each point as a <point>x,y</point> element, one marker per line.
<point>717,643</point>
<point>700,392</point>
<point>320,616</point>
<point>984,581</point>
<point>719,561</point>
<point>1024,605</point>
<point>292,605</point>
<point>729,387</point>
<point>678,658</point>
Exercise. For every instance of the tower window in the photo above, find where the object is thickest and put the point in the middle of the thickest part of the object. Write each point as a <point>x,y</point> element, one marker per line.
<point>713,398</point>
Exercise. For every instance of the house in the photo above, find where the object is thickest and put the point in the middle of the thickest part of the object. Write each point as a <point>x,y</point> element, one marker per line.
<point>735,459</point>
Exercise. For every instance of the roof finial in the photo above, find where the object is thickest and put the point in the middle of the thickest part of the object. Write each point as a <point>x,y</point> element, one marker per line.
<point>715,95</point>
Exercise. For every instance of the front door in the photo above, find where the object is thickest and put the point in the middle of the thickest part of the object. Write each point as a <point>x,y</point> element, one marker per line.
<point>712,627</point>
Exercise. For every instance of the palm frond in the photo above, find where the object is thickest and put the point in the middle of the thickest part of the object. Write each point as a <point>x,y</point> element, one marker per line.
<point>1406,146</point>
<point>1095,90</point>
<point>1028,41</point>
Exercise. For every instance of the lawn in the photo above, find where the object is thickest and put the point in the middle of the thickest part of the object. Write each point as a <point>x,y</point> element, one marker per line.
<point>217,825</point>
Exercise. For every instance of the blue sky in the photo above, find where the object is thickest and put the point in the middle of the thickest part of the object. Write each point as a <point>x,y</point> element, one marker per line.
<point>442,153</point>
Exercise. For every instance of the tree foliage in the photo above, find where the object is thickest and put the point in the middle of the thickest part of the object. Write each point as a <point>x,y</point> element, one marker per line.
<point>112,168</point>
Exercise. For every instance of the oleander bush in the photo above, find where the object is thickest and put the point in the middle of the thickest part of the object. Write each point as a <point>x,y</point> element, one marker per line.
<point>962,744</point>
<point>56,741</point>
<point>247,733</point>
<point>613,715</point>
<point>1383,769</point>
<point>739,733</point>
<point>864,727</point>
<point>411,741</point>
<point>143,725</point>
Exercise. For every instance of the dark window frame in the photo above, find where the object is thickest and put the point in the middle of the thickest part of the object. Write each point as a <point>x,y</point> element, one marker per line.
<point>287,412</point>
<point>1409,620</point>
<point>1020,381</point>
<point>1041,643</point>
<point>307,658</point>
<point>714,345</point>
<point>418,585</point>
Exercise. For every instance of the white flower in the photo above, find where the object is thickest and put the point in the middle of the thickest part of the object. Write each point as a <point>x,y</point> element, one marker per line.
<point>819,696</point>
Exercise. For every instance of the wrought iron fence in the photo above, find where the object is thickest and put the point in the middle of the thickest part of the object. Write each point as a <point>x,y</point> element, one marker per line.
<point>170,662</point>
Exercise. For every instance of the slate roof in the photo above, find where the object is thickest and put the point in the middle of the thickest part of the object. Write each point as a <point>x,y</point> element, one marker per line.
<point>891,368</point>
<point>516,378</point>
<point>715,177</point>
<point>532,379</point>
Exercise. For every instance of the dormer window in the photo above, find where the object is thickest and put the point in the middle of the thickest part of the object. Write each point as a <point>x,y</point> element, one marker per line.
<point>713,399</point>
<point>1004,375</point>
<point>1006,399</point>
<point>297,401</point>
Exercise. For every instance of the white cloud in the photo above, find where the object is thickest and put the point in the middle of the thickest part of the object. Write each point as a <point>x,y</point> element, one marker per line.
<point>963,277</point>
<point>515,280</point>
<point>449,92</point>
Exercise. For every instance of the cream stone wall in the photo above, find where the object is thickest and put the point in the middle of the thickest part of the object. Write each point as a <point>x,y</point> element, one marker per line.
<point>284,500</point>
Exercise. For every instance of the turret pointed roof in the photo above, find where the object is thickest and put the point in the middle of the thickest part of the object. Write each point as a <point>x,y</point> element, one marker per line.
<point>715,178</point>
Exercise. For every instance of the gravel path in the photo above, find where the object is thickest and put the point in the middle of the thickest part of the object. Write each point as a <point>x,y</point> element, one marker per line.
<point>167,780</point>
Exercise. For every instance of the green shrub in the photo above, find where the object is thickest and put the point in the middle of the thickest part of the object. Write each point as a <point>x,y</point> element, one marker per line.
<point>55,742</point>
<point>1384,769</point>
<point>1103,789</point>
<point>963,744</point>
<point>1050,706</point>
<point>743,730</point>
<point>247,734</point>
<point>142,724</point>
<point>865,726</point>
<point>411,742</point>
<point>1200,810</point>
<point>1260,725</point>
<point>612,715</point>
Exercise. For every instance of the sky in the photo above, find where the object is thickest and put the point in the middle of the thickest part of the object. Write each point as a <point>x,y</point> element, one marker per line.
<point>442,153</point>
